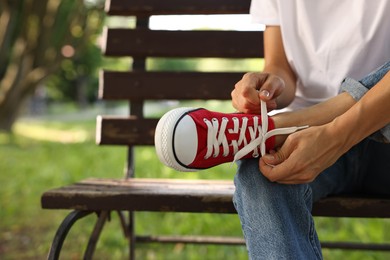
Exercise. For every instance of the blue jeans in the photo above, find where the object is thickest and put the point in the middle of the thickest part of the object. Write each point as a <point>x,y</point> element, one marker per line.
<point>276,219</point>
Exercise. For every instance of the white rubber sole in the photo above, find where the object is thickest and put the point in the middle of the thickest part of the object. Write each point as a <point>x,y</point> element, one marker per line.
<point>163,138</point>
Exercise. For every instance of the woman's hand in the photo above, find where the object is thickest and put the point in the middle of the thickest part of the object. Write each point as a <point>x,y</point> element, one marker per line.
<point>304,155</point>
<point>255,86</point>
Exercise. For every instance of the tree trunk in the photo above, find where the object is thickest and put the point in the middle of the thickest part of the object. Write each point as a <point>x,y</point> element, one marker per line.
<point>32,34</point>
<point>9,111</point>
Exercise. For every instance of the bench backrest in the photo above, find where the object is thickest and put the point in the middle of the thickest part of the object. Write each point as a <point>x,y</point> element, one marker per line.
<point>140,84</point>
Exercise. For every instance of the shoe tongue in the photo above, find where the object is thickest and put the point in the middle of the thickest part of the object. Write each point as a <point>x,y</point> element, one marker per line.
<point>232,133</point>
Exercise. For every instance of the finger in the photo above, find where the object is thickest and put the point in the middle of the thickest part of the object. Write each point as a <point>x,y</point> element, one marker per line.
<point>271,88</point>
<point>277,173</point>
<point>245,99</point>
<point>244,105</point>
<point>272,158</point>
<point>270,103</point>
<point>289,173</point>
<point>264,94</point>
<point>279,156</point>
<point>265,168</point>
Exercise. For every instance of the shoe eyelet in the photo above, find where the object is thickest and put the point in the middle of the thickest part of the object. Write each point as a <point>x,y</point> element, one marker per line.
<point>214,120</point>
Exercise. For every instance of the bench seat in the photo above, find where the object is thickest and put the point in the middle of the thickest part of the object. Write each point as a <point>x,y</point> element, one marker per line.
<point>176,195</point>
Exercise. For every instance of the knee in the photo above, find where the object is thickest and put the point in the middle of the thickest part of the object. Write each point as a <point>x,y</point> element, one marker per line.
<point>253,187</point>
<point>249,180</point>
<point>248,174</point>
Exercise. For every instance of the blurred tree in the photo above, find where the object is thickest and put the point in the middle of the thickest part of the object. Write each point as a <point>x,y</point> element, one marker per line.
<point>36,39</point>
<point>77,79</point>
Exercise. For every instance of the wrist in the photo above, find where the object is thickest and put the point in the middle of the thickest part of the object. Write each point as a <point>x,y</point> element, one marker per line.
<point>342,132</point>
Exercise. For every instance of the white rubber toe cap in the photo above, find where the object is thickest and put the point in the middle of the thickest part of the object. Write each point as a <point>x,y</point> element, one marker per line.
<point>185,140</point>
<point>176,139</point>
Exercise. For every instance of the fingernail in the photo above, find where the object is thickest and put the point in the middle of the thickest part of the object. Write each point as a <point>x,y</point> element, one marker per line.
<point>264,93</point>
<point>269,157</point>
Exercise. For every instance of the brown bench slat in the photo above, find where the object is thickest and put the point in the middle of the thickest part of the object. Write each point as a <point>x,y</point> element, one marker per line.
<point>186,196</point>
<point>156,7</point>
<point>125,130</point>
<point>167,85</point>
<point>143,195</point>
<point>156,43</point>
<point>361,206</point>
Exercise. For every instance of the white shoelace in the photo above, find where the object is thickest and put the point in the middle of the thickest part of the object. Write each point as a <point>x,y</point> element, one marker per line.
<point>258,135</point>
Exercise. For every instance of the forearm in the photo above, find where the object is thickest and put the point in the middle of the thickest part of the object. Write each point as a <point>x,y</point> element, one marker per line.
<point>369,114</point>
<point>320,114</point>
<point>316,115</point>
<point>351,121</point>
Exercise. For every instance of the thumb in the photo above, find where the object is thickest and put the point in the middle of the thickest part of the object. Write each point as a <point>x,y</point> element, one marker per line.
<point>271,88</point>
<point>265,94</point>
<point>274,157</point>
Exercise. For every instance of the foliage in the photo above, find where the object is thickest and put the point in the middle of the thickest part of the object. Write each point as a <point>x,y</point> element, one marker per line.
<point>76,79</point>
<point>36,39</point>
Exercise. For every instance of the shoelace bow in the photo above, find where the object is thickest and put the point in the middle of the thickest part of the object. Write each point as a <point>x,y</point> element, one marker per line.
<point>258,134</point>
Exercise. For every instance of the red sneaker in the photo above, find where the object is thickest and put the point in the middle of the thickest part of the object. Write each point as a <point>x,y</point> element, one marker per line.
<point>189,139</point>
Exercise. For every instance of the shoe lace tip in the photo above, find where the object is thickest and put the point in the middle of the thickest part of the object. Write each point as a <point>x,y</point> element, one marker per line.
<point>231,164</point>
<point>302,127</point>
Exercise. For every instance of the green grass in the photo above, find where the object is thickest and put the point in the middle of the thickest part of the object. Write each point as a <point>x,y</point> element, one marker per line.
<point>47,154</point>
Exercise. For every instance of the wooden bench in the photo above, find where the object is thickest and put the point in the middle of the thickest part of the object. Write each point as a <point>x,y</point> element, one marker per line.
<point>138,85</point>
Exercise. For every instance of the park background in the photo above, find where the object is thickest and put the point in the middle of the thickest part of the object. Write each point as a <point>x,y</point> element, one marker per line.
<point>49,63</point>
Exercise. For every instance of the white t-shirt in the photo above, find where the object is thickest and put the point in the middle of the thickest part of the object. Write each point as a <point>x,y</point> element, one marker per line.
<point>328,40</point>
